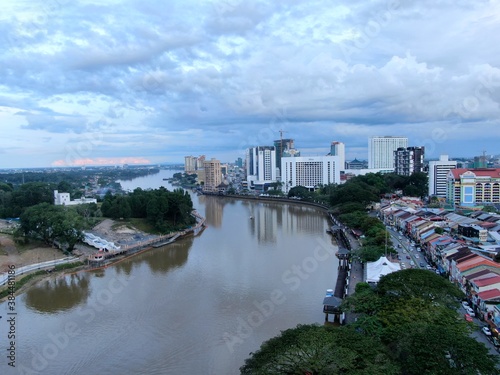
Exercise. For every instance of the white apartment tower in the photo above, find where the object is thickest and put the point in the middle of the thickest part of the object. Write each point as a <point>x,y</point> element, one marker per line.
<point>381,150</point>
<point>309,171</point>
<point>261,165</point>
<point>338,149</point>
<point>438,175</point>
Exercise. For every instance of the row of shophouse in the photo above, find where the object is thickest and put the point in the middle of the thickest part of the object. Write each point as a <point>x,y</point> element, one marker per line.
<point>464,248</point>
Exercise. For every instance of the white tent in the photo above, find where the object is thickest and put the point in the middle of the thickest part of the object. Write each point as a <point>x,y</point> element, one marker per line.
<point>375,270</point>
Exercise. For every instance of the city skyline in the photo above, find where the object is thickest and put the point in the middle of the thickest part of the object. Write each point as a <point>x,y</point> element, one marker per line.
<point>127,82</point>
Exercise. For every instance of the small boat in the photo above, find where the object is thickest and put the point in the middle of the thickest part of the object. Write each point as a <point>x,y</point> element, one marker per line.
<point>251,217</point>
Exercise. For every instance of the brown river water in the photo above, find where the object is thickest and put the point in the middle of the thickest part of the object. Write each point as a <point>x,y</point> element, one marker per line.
<point>197,306</point>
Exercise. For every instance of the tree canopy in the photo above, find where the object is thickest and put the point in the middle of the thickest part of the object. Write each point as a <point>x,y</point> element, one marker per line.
<point>408,324</point>
<point>51,223</point>
<point>320,350</point>
<point>165,210</point>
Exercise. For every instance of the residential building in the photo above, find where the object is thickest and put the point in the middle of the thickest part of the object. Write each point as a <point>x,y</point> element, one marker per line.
<point>408,160</point>
<point>473,187</point>
<point>310,171</point>
<point>190,164</point>
<point>213,175</point>
<point>381,150</point>
<point>63,199</point>
<point>438,175</point>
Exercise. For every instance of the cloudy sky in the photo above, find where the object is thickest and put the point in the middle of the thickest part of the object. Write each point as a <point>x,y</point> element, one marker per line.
<point>151,81</point>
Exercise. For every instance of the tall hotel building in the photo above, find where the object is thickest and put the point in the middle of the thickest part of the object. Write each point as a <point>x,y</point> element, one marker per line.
<point>261,166</point>
<point>438,175</point>
<point>381,151</point>
<point>309,171</point>
<point>213,175</point>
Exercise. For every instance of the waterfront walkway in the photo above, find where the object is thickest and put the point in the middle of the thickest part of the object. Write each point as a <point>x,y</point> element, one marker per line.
<point>97,258</point>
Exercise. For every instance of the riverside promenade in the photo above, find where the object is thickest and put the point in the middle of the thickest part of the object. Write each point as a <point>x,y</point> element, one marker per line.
<point>100,258</point>
<point>347,281</point>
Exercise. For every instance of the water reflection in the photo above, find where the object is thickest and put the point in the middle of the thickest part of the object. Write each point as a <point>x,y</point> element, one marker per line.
<point>214,207</point>
<point>59,294</point>
<point>163,259</point>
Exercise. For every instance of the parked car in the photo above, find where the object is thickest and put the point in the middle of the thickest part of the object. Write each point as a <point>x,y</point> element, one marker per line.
<point>468,318</point>
<point>470,311</point>
<point>486,330</point>
<point>422,265</point>
<point>465,304</point>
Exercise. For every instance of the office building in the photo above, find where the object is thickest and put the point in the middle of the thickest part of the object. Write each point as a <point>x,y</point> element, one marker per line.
<point>381,150</point>
<point>310,171</point>
<point>438,175</point>
<point>408,160</point>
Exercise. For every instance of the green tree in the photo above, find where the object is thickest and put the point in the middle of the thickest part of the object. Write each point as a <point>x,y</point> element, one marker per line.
<point>318,350</point>
<point>51,223</point>
<point>438,349</point>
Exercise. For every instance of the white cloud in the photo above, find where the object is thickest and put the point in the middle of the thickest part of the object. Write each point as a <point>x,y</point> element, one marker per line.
<point>161,79</point>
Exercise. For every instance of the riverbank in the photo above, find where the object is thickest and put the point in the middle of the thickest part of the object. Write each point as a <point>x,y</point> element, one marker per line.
<point>139,243</point>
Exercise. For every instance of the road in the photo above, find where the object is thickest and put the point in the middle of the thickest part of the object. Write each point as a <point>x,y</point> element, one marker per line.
<point>408,253</point>
<point>35,267</point>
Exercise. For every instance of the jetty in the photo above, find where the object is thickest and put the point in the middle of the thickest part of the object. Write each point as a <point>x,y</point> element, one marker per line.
<point>104,255</point>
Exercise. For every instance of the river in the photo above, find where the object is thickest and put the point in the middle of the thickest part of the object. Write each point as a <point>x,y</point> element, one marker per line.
<point>197,306</point>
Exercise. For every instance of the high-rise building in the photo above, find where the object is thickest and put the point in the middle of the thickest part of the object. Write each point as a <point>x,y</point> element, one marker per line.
<point>261,166</point>
<point>190,164</point>
<point>438,175</point>
<point>213,175</point>
<point>338,149</point>
<point>310,171</point>
<point>280,146</point>
<point>381,150</point>
<point>408,160</point>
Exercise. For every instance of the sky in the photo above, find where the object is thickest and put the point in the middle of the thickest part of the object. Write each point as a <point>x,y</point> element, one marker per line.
<point>111,82</point>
